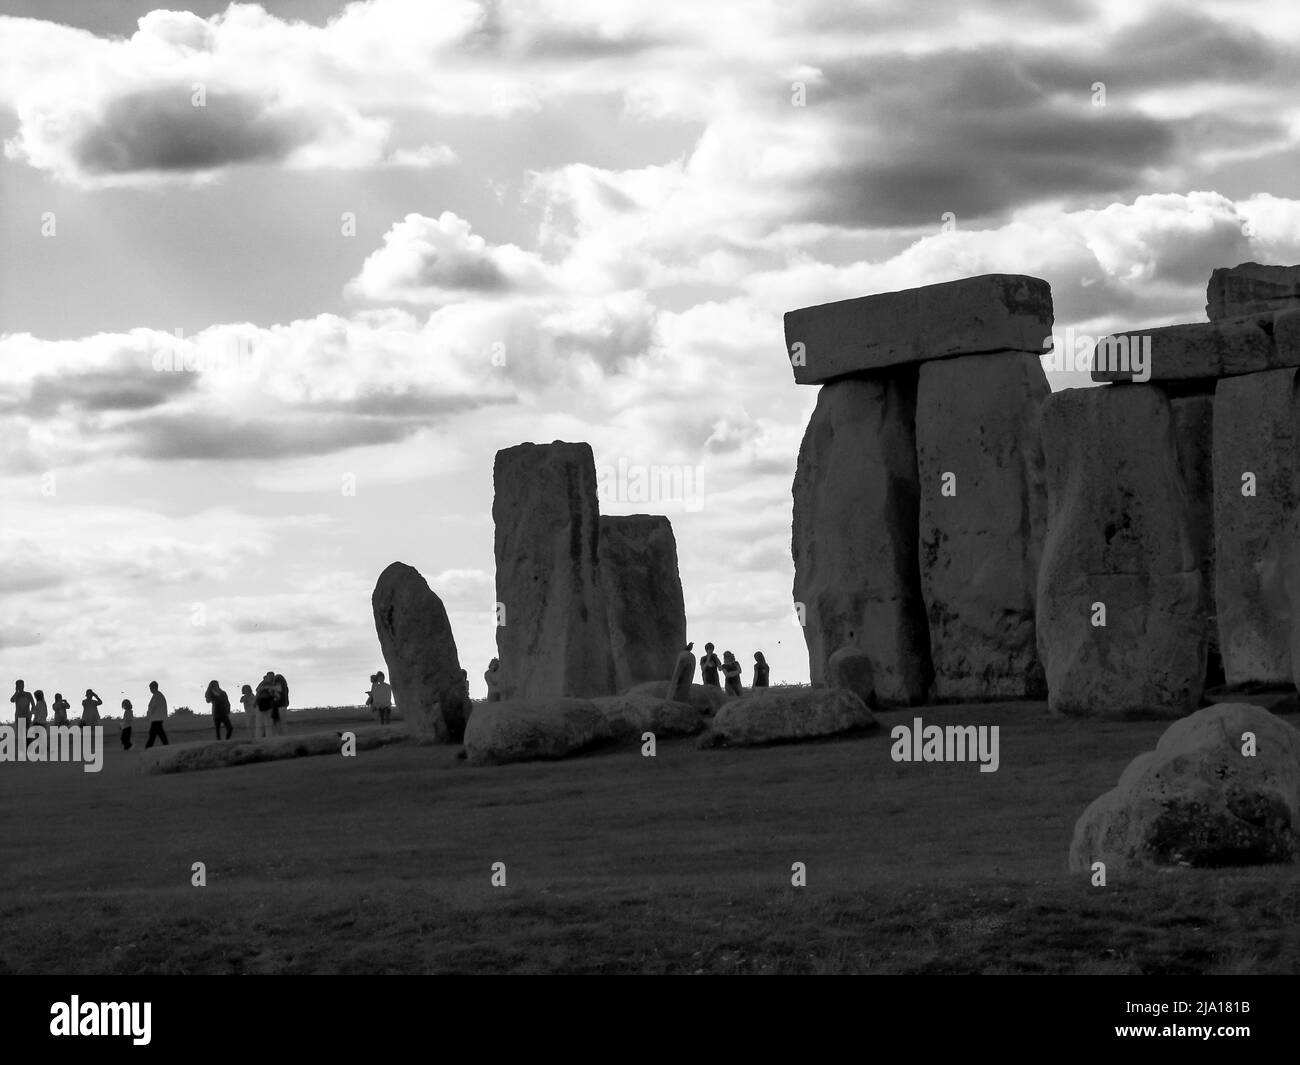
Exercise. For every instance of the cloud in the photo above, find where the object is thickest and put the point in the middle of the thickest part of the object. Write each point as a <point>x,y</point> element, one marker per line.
<point>425,157</point>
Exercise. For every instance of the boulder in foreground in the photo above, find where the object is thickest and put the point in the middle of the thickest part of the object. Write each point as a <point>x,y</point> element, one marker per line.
<point>524,731</point>
<point>703,697</point>
<point>1198,800</point>
<point>222,754</point>
<point>631,715</point>
<point>786,716</point>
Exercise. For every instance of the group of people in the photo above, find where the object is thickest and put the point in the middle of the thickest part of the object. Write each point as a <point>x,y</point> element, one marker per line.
<point>714,670</point>
<point>267,706</point>
<point>380,697</point>
<point>31,709</point>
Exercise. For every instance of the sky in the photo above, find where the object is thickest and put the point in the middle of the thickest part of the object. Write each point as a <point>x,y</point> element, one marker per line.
<point>277,281</point>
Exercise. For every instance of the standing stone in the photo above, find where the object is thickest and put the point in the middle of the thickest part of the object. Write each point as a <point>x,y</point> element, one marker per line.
<point>555,638</point>
<point>418,646</point>
<point>1250,289</point>
<point>1257,433</point>
<point>1118,538</point>
<point>855,533</point>
<point>850,670</point>
<point>679,687</point>
<point>982,521</point>
<point>643,596</point>
<point>991,312</point>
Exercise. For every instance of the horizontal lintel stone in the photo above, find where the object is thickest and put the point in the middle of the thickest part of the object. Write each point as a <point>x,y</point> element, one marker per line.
<point>1226,348</point>
<point>1250,289</point>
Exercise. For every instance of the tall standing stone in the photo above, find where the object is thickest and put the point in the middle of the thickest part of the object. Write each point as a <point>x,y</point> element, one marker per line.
<point>419,649</point>
<point>555,638</point>
<point>643,596</point>
<point>1256,500</point>
<point>855,533</point>
<point>1118,539</point>
<point>982,521</point>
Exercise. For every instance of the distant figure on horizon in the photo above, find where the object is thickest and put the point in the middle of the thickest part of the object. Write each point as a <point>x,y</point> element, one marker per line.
<point>731,669</point>
<point>220,709</point>
<point>249,701</point>
<point>22,700</point>
<point>128,722</point>
<point>679,688</point>
<point>90,709</point>
<point>381,698</point>
<point>280,713</point>
<point>266,699</point>
<point>493,678</point>
<point>760,670</point>
<point>157,715</point>
<point>709,666</point>
<point>61,708</point>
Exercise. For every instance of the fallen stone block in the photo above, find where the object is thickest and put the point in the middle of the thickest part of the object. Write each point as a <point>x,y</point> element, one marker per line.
<point>522,731</point>
<point>789,715</point>
<point>631,715</point>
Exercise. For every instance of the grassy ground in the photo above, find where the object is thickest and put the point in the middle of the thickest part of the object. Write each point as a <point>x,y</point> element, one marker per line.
<point>615,863</point>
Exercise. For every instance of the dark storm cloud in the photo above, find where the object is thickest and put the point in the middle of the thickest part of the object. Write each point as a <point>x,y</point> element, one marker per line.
<point>98,391</point>
<point>159,129</point>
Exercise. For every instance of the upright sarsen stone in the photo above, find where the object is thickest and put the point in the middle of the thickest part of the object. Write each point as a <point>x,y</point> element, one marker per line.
<point>982,521</point>
<point>1256,498</point>
<point>643,596</point>
<point>855,533</point>
<point>1251,289</point>
<point>419,649</point>
<point>1121,611</point>
<point>555,639</point>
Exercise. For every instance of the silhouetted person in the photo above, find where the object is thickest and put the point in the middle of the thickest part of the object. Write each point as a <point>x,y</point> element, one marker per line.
<point>249,702</point>
<point>493,678</point>
<point>157,715</point>
<point>266,697</point>
<point>61,708</point>
<point>220,709</point>
<point>456,707</point>
<point>40,712</point>
<point>731,670</point>
<point>370,697</point>
<point>760,670</point>
<point>280,713</point>
<point>709,666</point>
<point>381,698</point>
<point>679,688</point>
<point>90,709</point>
<point>22,700</point>
<point>128,722</point>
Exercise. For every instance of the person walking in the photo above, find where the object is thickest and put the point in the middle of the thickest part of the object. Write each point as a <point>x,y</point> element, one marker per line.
<point>731,670</point>
<point>61,708</point>
<point>220,709</point>
<point>249,702</point>
<point>760,670</point>
<point>157,715</point>
<point>128,722</point>
<point>381,698</point>
<point>709,667</point>
<point>90,709</point>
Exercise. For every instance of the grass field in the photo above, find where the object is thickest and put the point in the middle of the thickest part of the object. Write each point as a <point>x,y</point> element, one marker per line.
<point>615,863</point>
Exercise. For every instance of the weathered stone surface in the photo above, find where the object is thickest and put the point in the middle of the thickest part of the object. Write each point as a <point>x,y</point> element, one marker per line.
<point>631,715</point>
<point>522,731</point>
<point>222,754</point>
<point>1250,289</point>
<point>643,596</point>
<point>787,715</point>
<point>419,649</point>
<point>1196,799</point>
<point>1225,348</point>
<point>982,521</point>
<point>1256,431</point>
<point>1118,535</point>
<point>1193,417</point>
<point>704,698</point>
<point>992,312</point>
<point>679,687</point>
<point>855,534</point>
<point>555,640</point>
<point>849,669</point>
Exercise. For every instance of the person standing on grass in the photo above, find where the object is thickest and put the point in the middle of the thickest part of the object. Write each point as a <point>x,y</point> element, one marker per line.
<point>249,701</point>
<point>22,700</point>
<point>220,709</point>
<point>266,697</point>
<point>731,670</point>
<point>157,715</point>
<point>709,666</point>
<point>760,670</point>
<point>61,707</point>
<point>90,709</point>
<point>381,698</point>
<point>280,715</point>
<point>128,722</point>
<point>40,712</point>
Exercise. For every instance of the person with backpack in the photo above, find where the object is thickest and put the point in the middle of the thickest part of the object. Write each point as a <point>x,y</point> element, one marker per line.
<point>280,713</point>
<point>220,709</point>
<point>266,696</point>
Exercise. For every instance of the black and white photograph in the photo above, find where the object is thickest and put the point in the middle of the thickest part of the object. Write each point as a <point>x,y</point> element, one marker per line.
<point>650,488</point>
